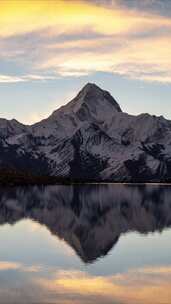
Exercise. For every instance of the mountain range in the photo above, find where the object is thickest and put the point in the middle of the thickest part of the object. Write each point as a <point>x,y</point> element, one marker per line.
<point>89,139</point>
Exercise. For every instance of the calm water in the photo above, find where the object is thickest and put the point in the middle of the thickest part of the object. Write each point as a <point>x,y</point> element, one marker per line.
<point>105,244</point>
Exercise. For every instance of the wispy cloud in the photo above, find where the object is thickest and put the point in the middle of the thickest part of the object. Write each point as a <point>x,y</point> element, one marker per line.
<point>10,79</point>
<point>76,38</point>
<point>14,79</point>
<point>7,265</point>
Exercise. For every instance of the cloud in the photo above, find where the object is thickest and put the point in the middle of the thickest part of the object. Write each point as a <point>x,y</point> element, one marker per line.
<point>7,266</point>
<point>10,79</point>
<point>14,79</point>
<point>64,16</point>
<point>77,38</point>
<point>137,286</point>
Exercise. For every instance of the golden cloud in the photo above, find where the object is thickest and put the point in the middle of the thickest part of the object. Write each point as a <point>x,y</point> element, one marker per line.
<point>148,285</point>
<point>17,17</point>
<point>138,286</point>
<point>109,39</point>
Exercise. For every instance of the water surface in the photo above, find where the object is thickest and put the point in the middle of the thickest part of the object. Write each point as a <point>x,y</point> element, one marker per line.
<point>100,244</point>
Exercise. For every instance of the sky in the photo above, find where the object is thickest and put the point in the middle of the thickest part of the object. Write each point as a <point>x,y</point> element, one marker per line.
<point>49,49</point>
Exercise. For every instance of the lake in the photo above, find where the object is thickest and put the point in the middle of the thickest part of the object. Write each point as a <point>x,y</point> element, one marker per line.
<point>83,244</point>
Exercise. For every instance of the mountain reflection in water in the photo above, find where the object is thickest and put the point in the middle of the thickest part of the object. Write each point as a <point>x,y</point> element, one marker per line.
<point>90,219</point>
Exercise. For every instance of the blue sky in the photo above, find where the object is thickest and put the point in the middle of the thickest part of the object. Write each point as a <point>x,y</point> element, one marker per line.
<point>50,49</point>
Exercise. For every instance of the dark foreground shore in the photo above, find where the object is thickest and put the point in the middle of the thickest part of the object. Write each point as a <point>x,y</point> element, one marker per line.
<point>15,178</point>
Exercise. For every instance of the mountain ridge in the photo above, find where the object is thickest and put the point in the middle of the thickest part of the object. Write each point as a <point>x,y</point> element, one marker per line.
<point>90,139</point>
<point>63,106</point>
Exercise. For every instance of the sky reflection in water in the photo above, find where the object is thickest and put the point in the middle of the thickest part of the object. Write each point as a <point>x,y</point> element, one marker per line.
<point>85,244</point>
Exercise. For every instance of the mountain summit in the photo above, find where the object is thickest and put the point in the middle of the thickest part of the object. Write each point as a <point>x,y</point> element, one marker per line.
<point>91,103</point>
<point>90,139</point>
<point>95,97</point>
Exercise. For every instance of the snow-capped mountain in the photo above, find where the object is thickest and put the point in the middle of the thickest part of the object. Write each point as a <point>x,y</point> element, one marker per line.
<point>90,138</point>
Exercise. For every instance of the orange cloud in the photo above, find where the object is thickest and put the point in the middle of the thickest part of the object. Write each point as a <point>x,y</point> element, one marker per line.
<point>139,286</point>
<point>9,266</point>
<point>118,40</point>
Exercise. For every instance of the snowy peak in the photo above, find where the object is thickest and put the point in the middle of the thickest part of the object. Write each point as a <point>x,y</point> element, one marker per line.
<point>93,96</point>
<point>92,103</point>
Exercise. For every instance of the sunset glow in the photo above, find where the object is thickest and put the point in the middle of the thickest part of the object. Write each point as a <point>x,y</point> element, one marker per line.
<point>50,40</point>
<point>138,286</point>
